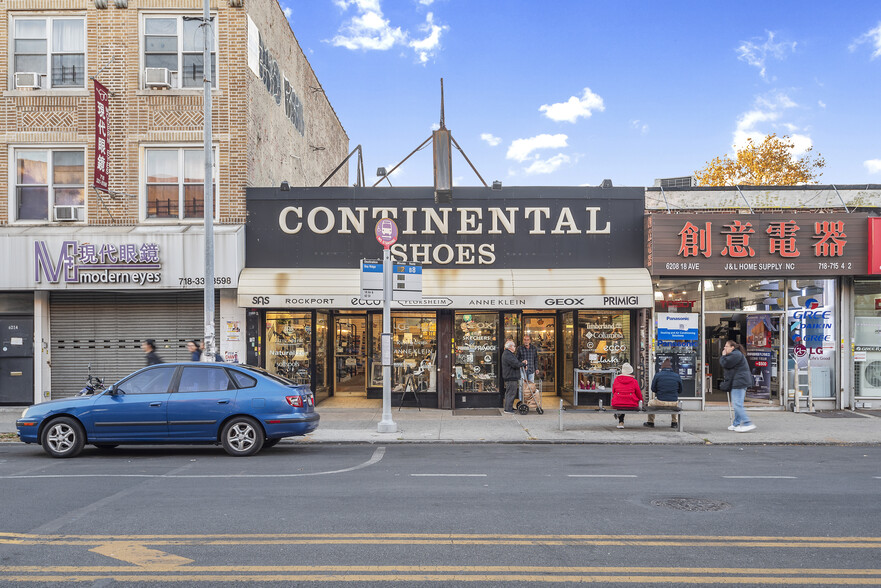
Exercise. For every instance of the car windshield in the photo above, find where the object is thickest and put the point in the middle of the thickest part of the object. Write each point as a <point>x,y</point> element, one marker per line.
<point>266,374</point>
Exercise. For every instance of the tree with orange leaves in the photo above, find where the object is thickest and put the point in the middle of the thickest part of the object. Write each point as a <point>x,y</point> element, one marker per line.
<point>770,163</point>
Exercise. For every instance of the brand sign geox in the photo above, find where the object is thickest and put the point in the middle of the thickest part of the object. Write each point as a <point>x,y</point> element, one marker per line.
<point>561,227</point>
<point>88,263</point>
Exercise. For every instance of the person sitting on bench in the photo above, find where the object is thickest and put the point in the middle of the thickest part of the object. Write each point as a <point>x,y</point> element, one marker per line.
<point>667,386</point>
<point>626,394</point>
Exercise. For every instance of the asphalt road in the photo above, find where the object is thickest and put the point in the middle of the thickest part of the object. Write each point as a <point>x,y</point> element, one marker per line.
<point>430,514</point>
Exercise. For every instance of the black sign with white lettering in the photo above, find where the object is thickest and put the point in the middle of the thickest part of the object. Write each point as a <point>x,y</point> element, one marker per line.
<point>522,227</point>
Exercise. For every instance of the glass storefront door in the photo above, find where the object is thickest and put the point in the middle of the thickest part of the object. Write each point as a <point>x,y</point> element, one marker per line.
<point>350,354</point>
<point>543,332</point>
<point>321,385</point>
<point>414,348</point>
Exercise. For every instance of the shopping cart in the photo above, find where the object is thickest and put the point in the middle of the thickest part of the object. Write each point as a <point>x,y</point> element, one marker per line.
<point>530,394</point>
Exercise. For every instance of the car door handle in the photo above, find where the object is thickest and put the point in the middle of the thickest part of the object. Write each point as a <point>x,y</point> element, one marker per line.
<point>155,404</point>
<point>223,402</point>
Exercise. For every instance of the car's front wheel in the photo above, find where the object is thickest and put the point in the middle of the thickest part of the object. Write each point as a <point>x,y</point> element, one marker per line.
<point>63,437</point>
<point>242,436</point>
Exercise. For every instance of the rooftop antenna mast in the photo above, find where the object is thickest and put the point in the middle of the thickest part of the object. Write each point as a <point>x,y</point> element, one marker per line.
<point>443,174</point>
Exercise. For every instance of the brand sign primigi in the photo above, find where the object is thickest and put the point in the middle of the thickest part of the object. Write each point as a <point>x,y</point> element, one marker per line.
<point>775,245</point>
<point>559,227</point>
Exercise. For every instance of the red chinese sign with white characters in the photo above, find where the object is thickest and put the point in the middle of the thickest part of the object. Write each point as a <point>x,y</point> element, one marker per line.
<point>777,244</point>
<point>875,248</point>
<point>102,119</point>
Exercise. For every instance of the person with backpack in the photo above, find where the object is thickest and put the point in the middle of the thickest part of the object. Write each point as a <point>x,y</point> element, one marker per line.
<point>626,394</point>
<point>737,379</point>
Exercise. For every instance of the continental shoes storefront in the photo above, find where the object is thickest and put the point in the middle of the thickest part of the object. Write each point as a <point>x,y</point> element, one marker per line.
<point>789,286</point>
<point>564,265</point>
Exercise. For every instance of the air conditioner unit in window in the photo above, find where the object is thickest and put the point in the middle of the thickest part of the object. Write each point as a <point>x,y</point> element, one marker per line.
<point>69,213</point>
<point>157,77</point>
<point>27,80</point>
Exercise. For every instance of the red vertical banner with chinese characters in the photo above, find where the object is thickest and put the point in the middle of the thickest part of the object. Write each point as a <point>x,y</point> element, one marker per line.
<point>875,245</point>
<point>102,117</point>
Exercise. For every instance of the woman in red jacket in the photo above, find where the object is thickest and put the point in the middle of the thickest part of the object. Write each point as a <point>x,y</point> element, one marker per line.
<point>625,392</point>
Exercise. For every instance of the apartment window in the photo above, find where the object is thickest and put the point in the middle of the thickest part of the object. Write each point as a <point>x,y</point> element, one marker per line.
<point>50,184</point>
<point>175,183</point>
<point>54,48</point>
<point>175,43</point>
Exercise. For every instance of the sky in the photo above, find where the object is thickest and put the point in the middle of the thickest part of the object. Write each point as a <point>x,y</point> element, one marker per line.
<point>572,92</point>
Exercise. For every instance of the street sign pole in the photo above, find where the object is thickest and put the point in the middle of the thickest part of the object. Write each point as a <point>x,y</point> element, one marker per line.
<point>386,234</point>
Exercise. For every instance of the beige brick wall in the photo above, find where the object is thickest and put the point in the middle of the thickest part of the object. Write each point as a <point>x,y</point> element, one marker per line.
<point>256,142</point>
<point>310,157</point>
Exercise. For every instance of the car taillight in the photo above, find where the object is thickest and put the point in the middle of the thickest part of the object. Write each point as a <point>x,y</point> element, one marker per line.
<point>296,401</point>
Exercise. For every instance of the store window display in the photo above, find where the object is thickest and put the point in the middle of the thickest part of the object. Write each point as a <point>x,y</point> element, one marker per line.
<point>414,349</point>
<point>476,353</point>
<point>677,330</point>
<point>289,345</point>
<point>867,338</point>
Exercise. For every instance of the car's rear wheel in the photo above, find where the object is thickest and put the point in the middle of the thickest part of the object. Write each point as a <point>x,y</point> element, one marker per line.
<point>106,446</point>
<point>270,443</point>
<point>63,437</point>
<point>242,436</point>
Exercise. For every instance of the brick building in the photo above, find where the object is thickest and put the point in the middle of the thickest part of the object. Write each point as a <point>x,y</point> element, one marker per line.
<point>89,274</point>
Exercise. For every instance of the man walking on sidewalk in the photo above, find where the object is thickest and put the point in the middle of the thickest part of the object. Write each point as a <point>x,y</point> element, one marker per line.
<point>667,386</point>
<point>510,375</point>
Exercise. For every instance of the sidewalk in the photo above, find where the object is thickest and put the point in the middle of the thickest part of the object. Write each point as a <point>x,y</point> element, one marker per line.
<point>358,425</point>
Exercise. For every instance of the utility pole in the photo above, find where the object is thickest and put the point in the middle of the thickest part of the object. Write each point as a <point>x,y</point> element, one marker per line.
<point>208,348</point>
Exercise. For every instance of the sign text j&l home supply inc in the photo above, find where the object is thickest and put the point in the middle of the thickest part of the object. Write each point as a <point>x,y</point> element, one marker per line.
<point>758,244</point>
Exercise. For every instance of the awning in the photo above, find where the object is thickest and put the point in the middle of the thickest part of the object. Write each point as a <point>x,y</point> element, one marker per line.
<point>453,288</point>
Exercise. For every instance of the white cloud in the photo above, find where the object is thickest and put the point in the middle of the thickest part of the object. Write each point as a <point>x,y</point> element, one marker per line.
<point>639,126</point>
<point>753,124</point>
<point>757,53</point>
<point>574,108</point>
<point>490,138</point>
<point>369,30</point>
<point>426,2</point>
<point>287,12</point>
<point>435,126</point>
<point>800,143</point>
<point>520,149</point>
<point>873,37</point>
<point>821,104</point>
<point>547,166</point>
<point>873,166</point>
<point>425,48</point>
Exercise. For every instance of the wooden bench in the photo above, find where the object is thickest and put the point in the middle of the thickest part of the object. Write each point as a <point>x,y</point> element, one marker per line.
<point>650,410</point>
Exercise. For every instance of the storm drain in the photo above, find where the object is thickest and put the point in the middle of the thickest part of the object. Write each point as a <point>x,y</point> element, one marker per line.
<point>692,504</point>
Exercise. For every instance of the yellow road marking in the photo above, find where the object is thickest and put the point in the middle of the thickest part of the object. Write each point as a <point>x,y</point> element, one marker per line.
<point>140,556</point>
<point>409,578</point>
<point>458,569</point>
<point>245,536</point>
<point>830,544</point>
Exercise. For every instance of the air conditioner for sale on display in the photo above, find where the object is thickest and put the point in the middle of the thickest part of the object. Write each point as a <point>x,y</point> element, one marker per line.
<point>157,77</point>
<point>27,80</point>
<point>68,213</point>
<point>870,374</point>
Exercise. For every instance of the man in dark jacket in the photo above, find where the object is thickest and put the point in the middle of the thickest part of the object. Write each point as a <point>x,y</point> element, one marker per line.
<point>666,386</point>
<point>511,375</point>
<point>149,348</point>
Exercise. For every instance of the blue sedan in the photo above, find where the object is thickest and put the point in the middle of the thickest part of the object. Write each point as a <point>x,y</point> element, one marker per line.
<point>243,408</point>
